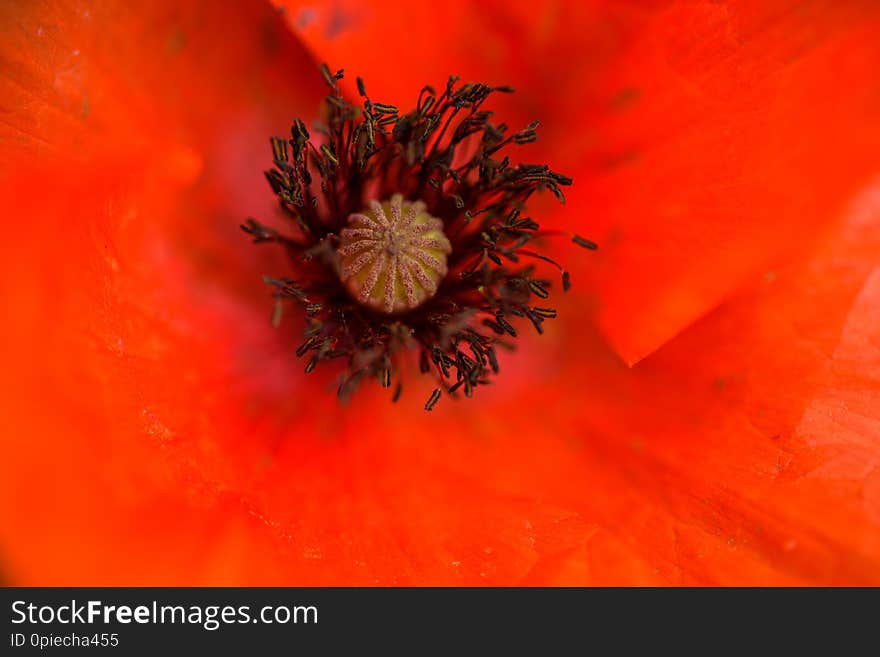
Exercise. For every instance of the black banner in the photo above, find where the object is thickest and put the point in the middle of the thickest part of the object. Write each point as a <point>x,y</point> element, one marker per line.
<point>127,621</point>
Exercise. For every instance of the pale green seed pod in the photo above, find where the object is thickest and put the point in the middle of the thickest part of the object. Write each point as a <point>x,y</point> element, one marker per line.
<point>393,255</point>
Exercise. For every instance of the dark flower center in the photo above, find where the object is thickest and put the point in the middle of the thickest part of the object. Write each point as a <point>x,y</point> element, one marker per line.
<point>408,232</point>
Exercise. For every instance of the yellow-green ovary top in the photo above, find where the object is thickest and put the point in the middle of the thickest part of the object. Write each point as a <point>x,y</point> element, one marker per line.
<point>393,255</point>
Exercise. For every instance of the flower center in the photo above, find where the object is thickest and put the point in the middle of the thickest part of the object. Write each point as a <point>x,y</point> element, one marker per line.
<point>393,255</point>
<point>369,276</point>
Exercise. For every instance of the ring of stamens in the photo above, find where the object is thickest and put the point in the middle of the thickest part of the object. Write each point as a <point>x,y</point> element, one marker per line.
<point>370,276</point>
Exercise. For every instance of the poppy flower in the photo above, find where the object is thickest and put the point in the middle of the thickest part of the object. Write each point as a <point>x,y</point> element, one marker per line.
<point>704,409</point>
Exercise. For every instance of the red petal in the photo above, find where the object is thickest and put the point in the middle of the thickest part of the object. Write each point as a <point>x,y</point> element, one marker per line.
<point>706,139</point>
<point>133,143</point>
<point>706,464</point>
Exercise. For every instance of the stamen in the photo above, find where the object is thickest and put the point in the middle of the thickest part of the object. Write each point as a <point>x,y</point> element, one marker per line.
<point>432,400</point>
